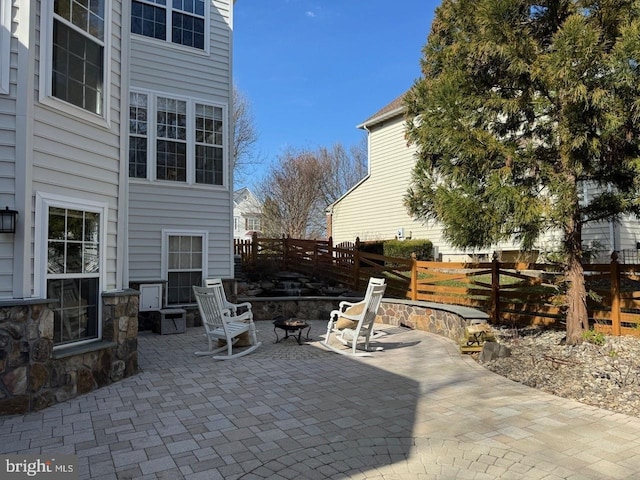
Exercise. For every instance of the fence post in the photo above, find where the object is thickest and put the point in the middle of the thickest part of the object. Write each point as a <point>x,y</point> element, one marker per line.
<point>285,251</point>
<point>254,248</point>
<point>330,252</point>
<point>615,295</point>
<point>356,265</point>
<point>414,276</point>
<point>495,288</point>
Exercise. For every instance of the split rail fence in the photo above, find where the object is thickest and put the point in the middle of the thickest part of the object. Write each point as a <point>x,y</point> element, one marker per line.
<point>515,294</point>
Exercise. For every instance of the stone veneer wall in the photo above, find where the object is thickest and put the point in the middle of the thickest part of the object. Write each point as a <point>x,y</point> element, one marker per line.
<point>34,376</point>
<point>446,320</point>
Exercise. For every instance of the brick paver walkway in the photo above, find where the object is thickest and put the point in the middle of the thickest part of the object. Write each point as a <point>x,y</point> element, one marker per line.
<point>416,410</point>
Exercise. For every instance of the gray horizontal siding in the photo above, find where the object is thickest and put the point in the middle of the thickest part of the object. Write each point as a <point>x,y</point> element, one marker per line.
<point>163,67</point>
<point>8,171</point>
<point>155,207</point>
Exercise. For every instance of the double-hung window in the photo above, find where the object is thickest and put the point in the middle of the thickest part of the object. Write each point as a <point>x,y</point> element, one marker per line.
<point>175,139</point>
<point>182,22</point>
<point>253,223</point>
<point>184,254</point>
<point>72,256</point>
<point>171,139</point>
<point>78,53</point>
<point>138,135</point>
<point>5,44</point>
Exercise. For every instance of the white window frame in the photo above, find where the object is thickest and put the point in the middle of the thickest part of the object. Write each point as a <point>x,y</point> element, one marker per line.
<point>168,34</point>
<point>152,110</point>
<point>43,202</point>
<point>5,45</point>
<point>252,222</point>
<point>46,66</point>
<point>164,262</point>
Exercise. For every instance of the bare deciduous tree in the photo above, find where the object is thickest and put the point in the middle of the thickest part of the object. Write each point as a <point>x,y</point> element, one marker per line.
<point>291,195</point>
<point>245,137</point>
<point>299,187</point>
<point>343,169</point>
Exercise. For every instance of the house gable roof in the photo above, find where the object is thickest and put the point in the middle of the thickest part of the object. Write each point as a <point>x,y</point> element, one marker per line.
<point>393,109</point>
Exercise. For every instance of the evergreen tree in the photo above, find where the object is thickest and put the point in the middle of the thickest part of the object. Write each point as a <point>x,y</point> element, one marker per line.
<point>519,103</point>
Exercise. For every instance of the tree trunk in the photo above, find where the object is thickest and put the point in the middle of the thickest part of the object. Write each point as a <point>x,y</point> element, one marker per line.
<point>577,318</point>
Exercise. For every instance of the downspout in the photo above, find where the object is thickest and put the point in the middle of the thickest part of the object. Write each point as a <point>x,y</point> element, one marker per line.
<point>230,161</point>
<point>122,242</point>
<point>23,241</point>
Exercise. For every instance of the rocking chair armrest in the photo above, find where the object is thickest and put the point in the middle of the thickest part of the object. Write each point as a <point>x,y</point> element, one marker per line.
<point>246,317</point>
<point>246,305</point>
<point>338,314</point>
<point>344,304</point>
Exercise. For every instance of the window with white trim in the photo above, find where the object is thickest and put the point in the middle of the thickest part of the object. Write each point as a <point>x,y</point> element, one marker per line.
<point>185,257</point>
<point>173,139</point>
<point>253,223</point>
<point>78,53</point>
<point>183,22</point>
<point>71,259</point>
<point>138,131</point>
<point>5,44</point>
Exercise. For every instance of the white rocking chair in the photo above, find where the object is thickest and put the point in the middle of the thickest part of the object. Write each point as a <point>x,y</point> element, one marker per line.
<point>363,314</point>
<point>221,324</point>
<point>216,283</point>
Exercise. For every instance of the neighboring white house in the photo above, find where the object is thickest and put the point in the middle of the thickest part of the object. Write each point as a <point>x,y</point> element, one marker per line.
<point>246,214</point>
<point>373,209</point>
<point>115,140</point>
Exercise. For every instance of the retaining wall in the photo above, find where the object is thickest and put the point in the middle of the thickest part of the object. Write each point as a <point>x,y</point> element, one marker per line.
<point>446,320</point>
<point>34,376</point>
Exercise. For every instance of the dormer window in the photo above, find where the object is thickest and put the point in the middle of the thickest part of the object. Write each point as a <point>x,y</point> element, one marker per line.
<point>177,21</point>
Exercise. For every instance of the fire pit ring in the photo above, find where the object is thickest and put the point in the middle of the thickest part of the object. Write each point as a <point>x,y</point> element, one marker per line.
<point>290,325</point>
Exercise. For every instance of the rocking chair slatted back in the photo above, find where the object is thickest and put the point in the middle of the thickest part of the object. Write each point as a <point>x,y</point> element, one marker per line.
<point>216,283</point>
<point>221,323</point>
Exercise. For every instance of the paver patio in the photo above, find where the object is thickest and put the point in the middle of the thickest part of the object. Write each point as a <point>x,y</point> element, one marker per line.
<point>416,410</point>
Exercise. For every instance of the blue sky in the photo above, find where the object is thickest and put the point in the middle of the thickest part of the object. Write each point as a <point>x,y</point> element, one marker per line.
<point>313,70</point>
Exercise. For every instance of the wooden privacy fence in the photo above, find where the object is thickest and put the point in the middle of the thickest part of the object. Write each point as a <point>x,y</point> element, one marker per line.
<point>514,294</point>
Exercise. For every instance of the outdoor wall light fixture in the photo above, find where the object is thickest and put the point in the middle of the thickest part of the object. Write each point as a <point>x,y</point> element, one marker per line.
<point>8,220</point>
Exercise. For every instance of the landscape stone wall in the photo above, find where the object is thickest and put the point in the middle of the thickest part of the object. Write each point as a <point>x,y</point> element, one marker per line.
<point>34,376</point>
<point>446,320</point>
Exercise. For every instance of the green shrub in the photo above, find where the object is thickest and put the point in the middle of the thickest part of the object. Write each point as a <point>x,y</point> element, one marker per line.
<point>591,336</point>
<point>404,248</point>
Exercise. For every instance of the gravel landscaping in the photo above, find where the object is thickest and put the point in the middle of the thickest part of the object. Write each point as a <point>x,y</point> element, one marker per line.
<point>606,375</point>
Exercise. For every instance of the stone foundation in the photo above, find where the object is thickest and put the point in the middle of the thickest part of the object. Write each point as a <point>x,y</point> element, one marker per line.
<point>34,376</point>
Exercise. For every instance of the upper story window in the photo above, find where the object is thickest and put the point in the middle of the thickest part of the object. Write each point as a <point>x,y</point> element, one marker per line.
<point>78,50</point>
<point>179,21</point>
<point>178,140</point>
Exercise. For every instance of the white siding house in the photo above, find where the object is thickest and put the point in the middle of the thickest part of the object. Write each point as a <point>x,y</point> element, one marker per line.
<point>180,186</point>
<point>114,150</point>
<point>373,209</point>
<point>246,214</point>
<point>61,153</point>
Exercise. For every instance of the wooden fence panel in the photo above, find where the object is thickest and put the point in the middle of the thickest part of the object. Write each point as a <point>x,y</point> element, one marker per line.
<point>512,293</point>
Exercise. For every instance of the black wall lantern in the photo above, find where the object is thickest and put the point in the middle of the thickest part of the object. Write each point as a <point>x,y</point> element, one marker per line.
<point>8,220</point>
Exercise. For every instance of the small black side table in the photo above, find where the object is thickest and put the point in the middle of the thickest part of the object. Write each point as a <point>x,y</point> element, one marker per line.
<point>291,325</point>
